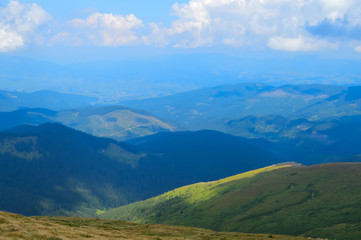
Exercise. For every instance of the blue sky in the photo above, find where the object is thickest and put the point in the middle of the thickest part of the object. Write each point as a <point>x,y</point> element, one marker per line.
<point>256,31</point>
<point>282,25</point>
<point>145,10</point>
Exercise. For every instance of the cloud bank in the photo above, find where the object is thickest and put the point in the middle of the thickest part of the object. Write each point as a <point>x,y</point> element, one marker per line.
<point>278,24</point>
<point>282,25</point>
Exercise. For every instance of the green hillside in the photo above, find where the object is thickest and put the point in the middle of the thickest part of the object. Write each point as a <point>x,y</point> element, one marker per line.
<point>58,228</point>
<point>316,201</point>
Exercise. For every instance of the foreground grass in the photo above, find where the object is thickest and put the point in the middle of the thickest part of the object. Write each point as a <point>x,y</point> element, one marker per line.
<point>14,226</point>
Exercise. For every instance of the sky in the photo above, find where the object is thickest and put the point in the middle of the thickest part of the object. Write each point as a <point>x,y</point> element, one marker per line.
<point>232,33</point>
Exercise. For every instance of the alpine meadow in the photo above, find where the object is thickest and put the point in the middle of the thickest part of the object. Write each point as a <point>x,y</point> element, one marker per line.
<point>182,119</point>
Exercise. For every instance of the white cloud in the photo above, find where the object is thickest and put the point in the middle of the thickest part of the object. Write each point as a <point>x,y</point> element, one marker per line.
<point>336,9</point>
<point>254,22</point>
<point>19,24</point>
<point>194,18</point>
<point>277,24</point>
<point>299,43</point>
<point>109,29</point>
<point>9,40</point>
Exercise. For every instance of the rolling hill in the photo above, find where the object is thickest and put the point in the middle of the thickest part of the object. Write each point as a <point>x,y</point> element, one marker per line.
<point>14,226</point>
<point>317,142</point>
<point>247,110</point>
<point>119,123</point>
<point>213,108</point>
<point>303,141</point>
<point>316,201</point>
<point>55,170</point>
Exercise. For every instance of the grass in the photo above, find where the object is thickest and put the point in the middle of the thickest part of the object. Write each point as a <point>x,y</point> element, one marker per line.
<point>182,198</point>
<point>316,201</point>
<point>61,228</point>
<point>204,191</point>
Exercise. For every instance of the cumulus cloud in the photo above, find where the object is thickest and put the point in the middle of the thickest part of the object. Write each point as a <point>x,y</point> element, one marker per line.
<point>19,24</point>
<point>284,25</point>
<point>256,22</point>
<point>108,29</point>
<point>194,18</point>
<point>9,40</point>
<point>336,9</point>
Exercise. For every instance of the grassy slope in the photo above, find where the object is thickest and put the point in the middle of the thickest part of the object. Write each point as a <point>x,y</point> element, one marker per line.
<point>318,201</point>
<point>18,227</point>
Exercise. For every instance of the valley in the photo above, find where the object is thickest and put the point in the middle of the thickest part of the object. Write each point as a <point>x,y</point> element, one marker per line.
<point>248,158</point>
<point>182,119</point>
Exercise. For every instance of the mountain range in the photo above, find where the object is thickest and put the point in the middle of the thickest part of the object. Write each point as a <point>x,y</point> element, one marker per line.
<point>215,108</point>
<point>177,156</point>
<point>12,100</point>
<point>247,110</point>
<point>308,142</point>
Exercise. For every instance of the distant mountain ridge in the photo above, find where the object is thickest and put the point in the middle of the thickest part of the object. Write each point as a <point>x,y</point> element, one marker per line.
<point>117,122</point>
<point>11,100</point>
<point>308,142</point>
<point>233,109</point>
<point>213,108</point>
